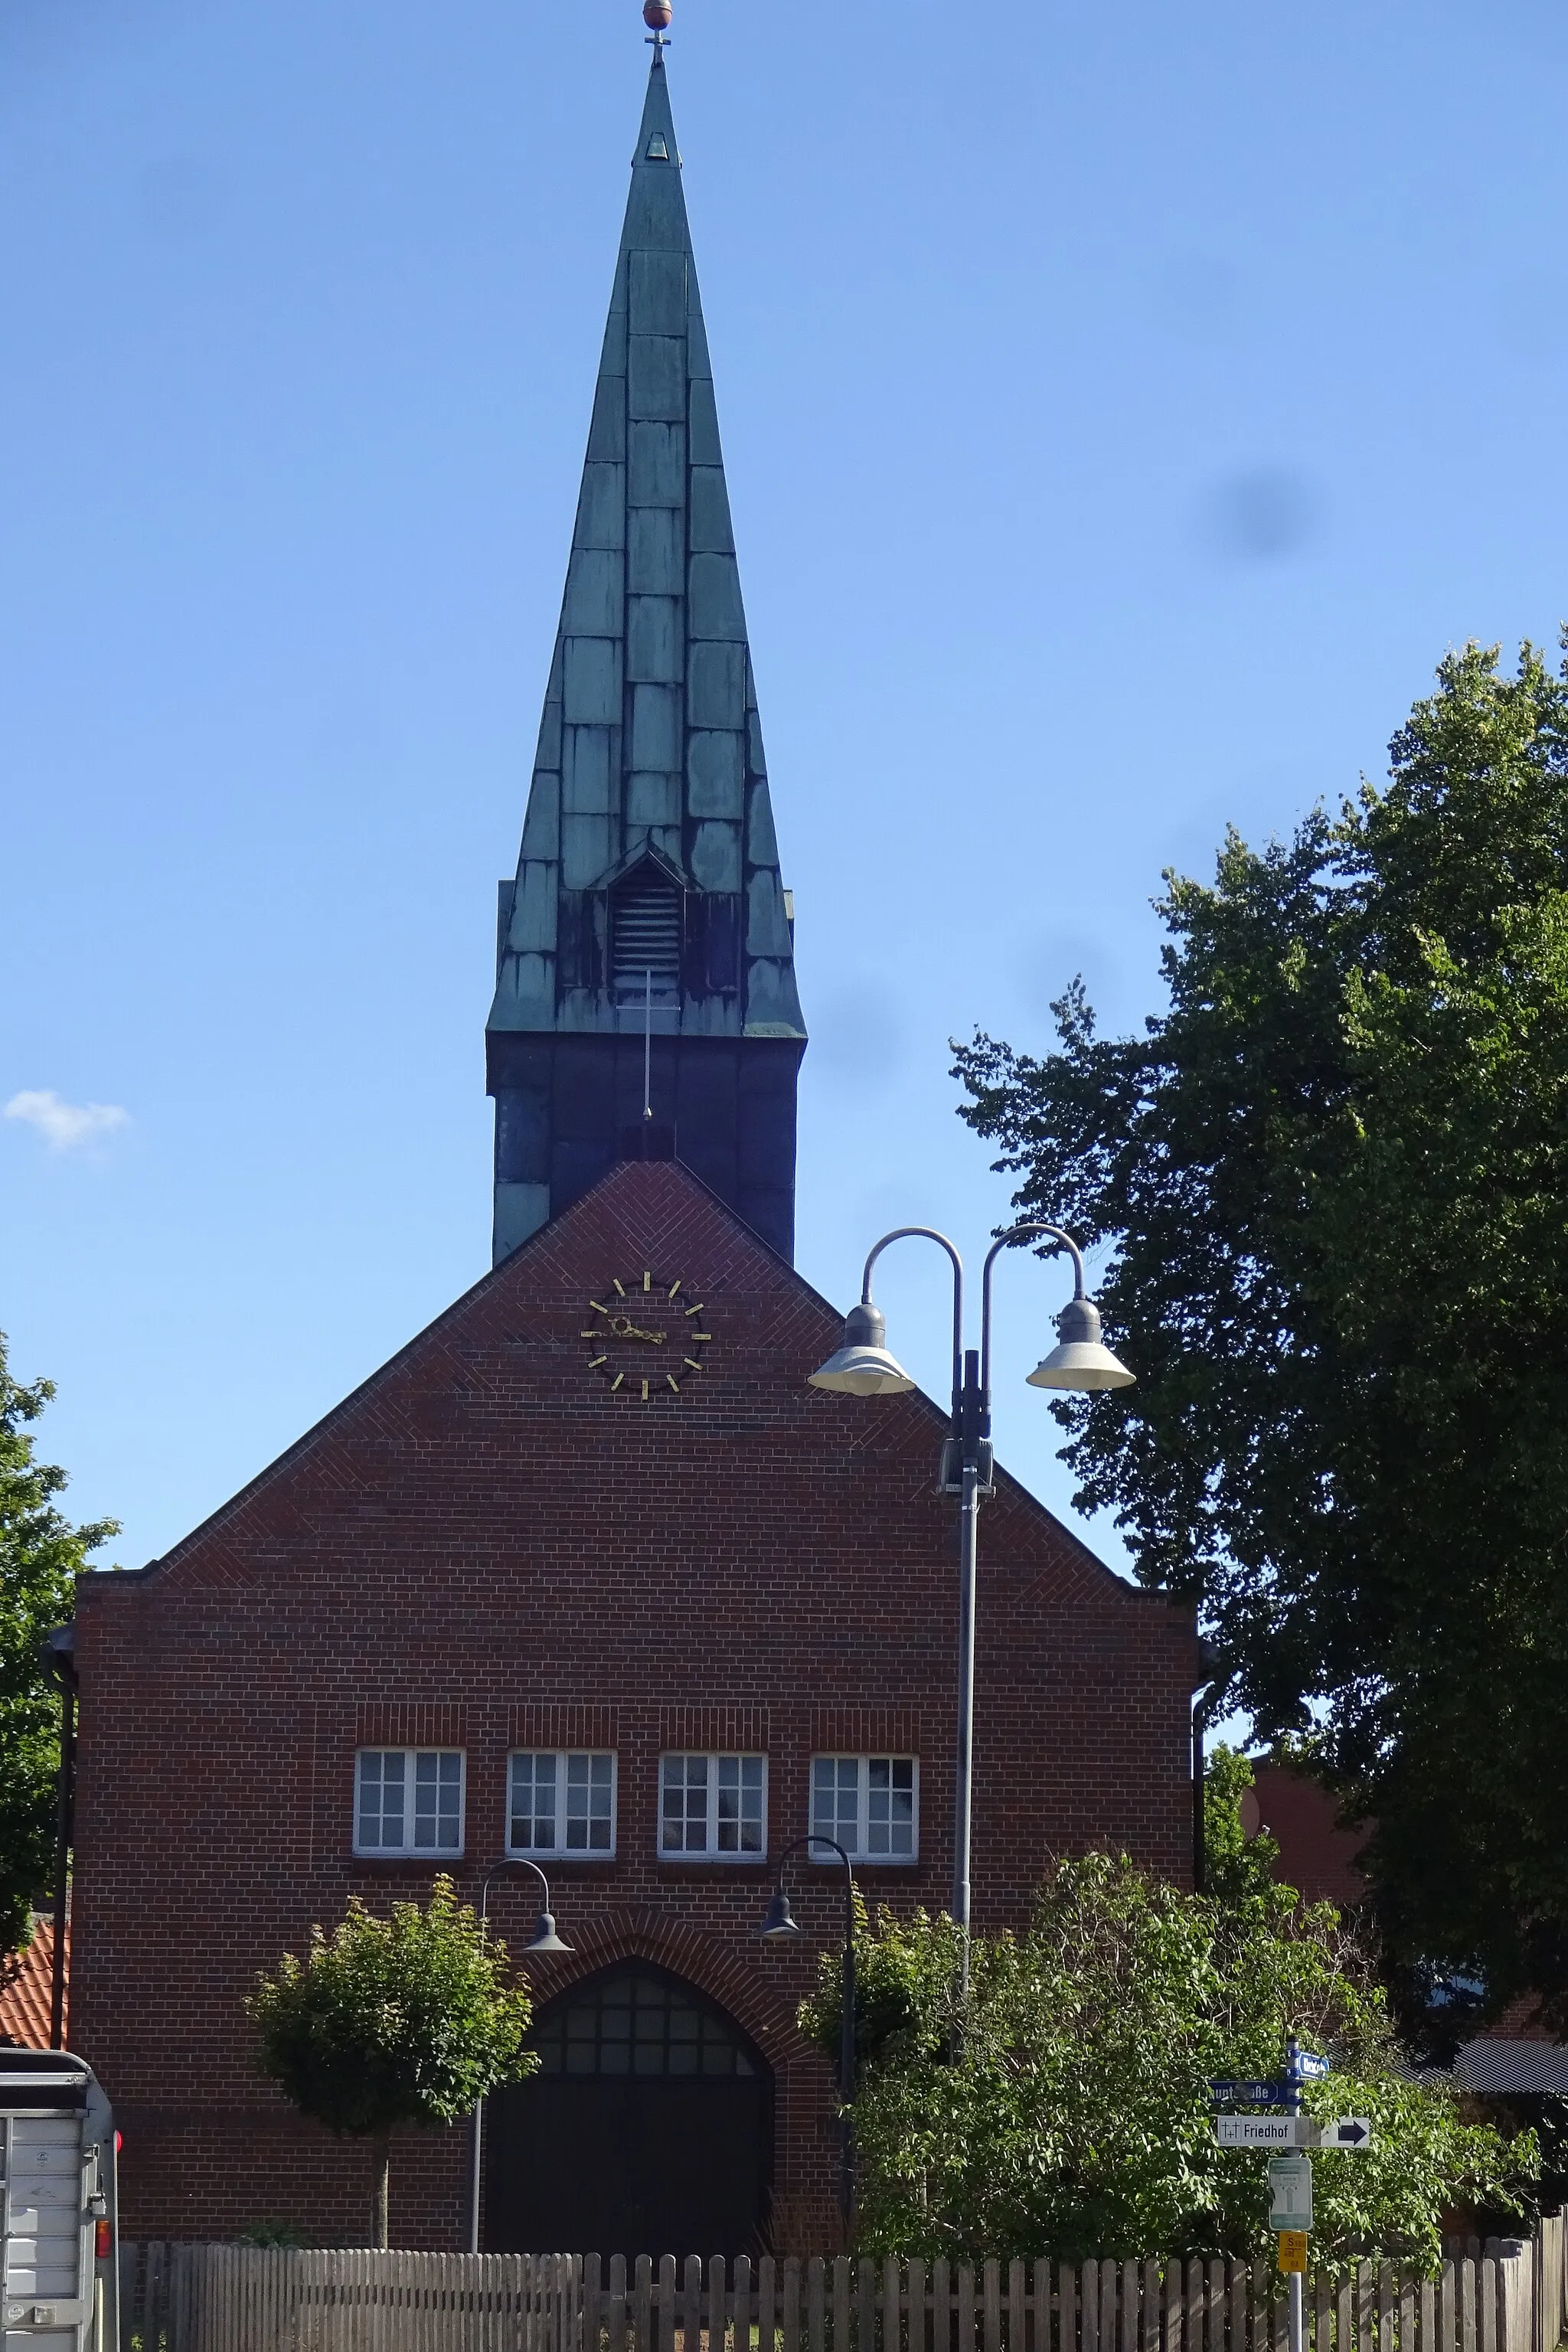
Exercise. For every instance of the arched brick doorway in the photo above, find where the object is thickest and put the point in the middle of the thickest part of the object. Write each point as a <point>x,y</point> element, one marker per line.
<point>648,2130</point>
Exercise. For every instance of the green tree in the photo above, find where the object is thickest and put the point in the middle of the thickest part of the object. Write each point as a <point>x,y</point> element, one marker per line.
<point>1235,1865</point>
<point>1332,1175</point>
<point>41,1555</point>
<point>390,2022</point>
<point>1067,2105</point>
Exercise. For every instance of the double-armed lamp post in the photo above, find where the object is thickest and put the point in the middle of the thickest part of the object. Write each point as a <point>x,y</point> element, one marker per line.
<point>863,1367</point>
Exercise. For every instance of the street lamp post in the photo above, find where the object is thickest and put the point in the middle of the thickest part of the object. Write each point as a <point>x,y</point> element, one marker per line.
<point>781,1921</point>
<point>863,1367</point>
<point>545,1939</point>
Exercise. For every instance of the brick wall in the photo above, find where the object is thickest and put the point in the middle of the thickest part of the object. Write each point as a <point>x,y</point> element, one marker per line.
<point>483,1548</point>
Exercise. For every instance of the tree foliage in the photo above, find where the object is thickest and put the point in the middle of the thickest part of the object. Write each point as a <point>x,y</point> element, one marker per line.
<point>1067,2105</point>
<point>41,1555</point>
<point>1332,1176</point>
<point>1235,1865</point>
<point>387,2021</point>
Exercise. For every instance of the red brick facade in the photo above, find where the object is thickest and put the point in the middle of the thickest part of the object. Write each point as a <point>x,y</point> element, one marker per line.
<point>485,1549</point>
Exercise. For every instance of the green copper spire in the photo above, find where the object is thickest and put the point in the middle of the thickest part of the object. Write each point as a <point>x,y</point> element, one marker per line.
<point>649,891</point>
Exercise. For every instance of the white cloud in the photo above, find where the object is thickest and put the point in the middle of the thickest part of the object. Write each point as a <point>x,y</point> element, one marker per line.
<point>64,1125</point>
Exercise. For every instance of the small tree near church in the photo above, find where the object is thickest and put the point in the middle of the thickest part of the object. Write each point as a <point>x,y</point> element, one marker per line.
<point>391,2022</point>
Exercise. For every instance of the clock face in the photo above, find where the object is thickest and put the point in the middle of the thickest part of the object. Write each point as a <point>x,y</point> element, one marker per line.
<point>647,1337</point>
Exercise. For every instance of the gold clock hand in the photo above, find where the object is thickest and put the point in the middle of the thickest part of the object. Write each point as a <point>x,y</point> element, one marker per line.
<point>624,1328</point>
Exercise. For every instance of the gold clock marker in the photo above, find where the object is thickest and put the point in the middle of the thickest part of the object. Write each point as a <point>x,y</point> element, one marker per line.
<point>674,1383</point>
<point>645,1393</point>
<point>594,1362</point>
<point>673,1288</point>
<point>693,1361</point>
<point>620,1291</point>
<point>647,1279</point>
<point>615,1383</point>
<point>691,1311</point>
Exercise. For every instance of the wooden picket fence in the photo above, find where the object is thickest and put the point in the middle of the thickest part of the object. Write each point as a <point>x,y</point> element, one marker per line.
<point>203,2298</point>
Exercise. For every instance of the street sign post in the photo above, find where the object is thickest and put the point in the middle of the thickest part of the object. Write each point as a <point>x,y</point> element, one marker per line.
<point>1264,2131</point>
<point>1254,2091</point>
<point>1352,2134</point>
<point>1291,2193</point>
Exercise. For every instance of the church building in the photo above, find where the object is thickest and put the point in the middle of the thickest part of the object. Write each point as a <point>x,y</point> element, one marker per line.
<point>588,1577</point>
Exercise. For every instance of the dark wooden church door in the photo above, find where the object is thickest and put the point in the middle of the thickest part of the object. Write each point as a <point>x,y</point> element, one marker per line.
<point>648,2129</point>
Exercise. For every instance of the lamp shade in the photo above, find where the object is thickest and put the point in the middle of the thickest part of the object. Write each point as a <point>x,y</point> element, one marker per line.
<point>546,1938</point>
<point>781,1920</point>
<point>862,1366</point>
<point>1080,1359</point>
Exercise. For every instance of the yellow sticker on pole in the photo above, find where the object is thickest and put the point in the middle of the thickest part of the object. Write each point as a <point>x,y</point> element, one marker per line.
<point>1293,2252</point>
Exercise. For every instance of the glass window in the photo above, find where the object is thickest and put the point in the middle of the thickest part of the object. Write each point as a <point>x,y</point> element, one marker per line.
<point>409,1800</point>
<point>869,1804</point>
<point>713,1805</point>
<point>562,1802</point>
<point>634,2022</point>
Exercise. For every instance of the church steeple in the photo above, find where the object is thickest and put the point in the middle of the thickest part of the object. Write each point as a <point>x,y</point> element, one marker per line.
<point>647,894</point>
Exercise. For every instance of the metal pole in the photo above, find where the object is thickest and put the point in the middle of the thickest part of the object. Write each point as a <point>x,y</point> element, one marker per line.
<point>479,2104</point>
<point>968,1548</point>
<point>65,1671</point>
<point>506,1862</point>
<point>846,2060</point>
<point>1298,2283</point>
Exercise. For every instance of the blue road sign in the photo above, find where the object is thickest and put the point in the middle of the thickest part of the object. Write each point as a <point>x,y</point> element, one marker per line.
<point>1307,2066</point>
<point>1255,2093</point>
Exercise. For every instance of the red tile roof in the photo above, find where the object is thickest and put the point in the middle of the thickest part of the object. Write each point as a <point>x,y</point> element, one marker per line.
<point>26,1981</point>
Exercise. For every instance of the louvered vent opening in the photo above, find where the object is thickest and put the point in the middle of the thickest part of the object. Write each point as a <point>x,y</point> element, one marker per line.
<point>645,936</point>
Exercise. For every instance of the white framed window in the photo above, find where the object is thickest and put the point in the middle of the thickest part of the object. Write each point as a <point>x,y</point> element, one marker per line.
<point>870,1804</point>
<point>408,1801</point>
<point>561,1801</point>
<point>713,1805</point>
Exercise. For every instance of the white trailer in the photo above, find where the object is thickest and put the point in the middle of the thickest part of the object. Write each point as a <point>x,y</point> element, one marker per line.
<point>62,2226</point>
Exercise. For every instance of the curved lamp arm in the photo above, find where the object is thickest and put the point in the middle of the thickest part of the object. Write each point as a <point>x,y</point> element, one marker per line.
<point>924,1234</point>
<point>510,1862</point>
<point>1018,1233</point>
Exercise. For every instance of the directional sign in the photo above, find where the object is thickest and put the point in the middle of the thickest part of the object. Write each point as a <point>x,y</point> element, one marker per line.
<point>1255,2094</point>
<point>1291,2193</point>
<point>1346,2131</point>
<point>1307,2066</point>
<point>1264,2131</point>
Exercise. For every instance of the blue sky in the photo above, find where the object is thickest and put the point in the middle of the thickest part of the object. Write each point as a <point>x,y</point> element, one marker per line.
<point>1123,411</point>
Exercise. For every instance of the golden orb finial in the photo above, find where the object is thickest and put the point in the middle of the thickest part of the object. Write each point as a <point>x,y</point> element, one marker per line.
<point>656,14</point>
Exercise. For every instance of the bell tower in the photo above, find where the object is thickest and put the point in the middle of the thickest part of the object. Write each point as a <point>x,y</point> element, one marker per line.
<point>645,1000</point>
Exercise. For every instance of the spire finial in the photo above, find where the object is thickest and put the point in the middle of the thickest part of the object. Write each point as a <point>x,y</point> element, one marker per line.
<point>656,16</point>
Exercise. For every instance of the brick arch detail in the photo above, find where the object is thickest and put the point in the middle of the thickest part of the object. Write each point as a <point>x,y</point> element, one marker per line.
<point>708,1963</point>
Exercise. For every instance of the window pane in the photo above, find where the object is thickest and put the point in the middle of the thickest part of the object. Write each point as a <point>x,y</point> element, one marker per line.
<point>437,1801</point>
<point>683,1810</point>
<point>835,1801</point>
<point>380,1806</point>
<point>740,1805</point>
<point>588,1789</point>
<point>889,1805</point>
<point>532,1807</point>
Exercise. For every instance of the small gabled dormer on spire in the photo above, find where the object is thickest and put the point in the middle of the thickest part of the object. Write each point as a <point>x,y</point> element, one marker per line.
<point>648,897</point>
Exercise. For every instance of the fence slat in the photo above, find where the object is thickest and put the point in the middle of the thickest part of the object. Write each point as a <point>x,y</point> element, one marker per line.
<point>940,2306</point>
<point>817,2305</point>
<point>717,2339</point>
